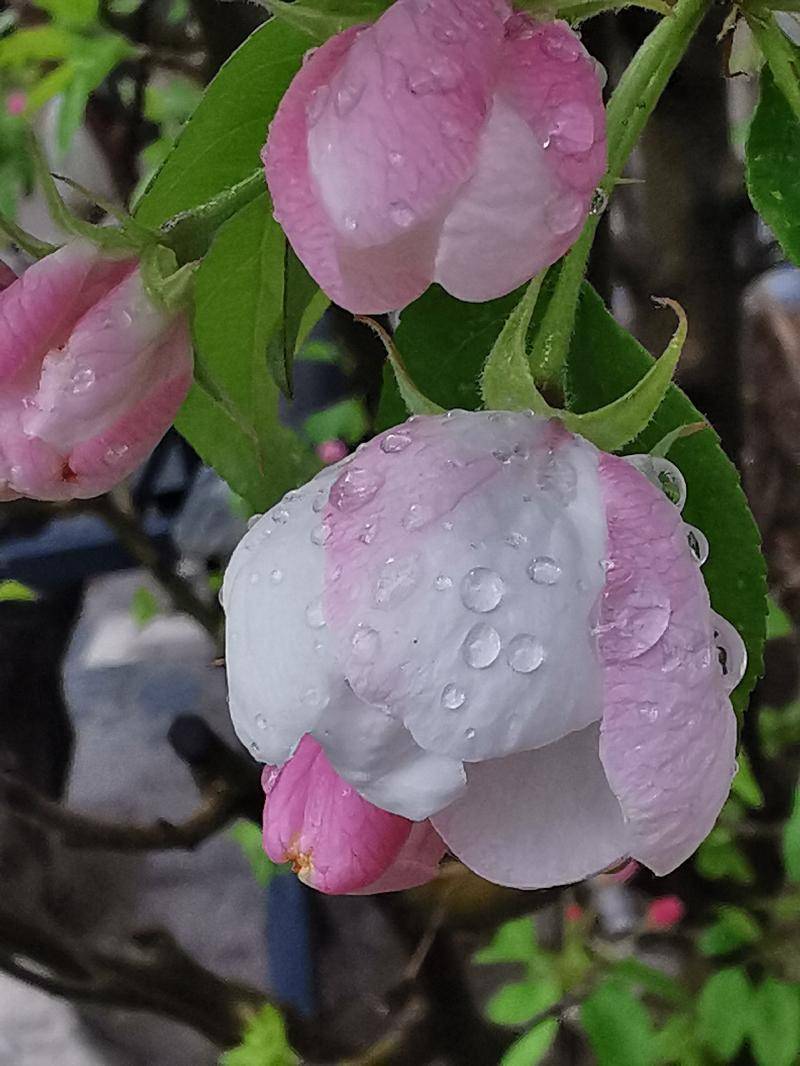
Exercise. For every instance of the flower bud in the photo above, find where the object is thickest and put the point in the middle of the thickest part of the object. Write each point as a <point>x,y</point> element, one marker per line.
<point>447,142</point>
<point>484,621</point>
<point>92,373</point>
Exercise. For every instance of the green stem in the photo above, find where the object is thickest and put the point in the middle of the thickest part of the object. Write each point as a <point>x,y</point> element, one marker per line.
<point>629,108</point>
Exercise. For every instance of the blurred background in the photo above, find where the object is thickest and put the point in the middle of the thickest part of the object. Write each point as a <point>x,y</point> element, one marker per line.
<point>139,921</point>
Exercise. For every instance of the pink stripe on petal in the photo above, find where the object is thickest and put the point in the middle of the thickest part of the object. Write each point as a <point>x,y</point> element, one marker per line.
<point>668,737</point>
<point>416,864</point>
<point>336,841</point>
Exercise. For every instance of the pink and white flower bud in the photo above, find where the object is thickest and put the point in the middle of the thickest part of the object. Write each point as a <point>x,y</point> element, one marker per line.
<point>482,621</point>
<point>92,373</point>
<point>451,141</point>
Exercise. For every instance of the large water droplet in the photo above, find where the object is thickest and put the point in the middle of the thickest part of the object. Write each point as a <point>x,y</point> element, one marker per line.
<point>543,570</point>
<point>453,697</point>
<point>395,442</point>
<point>316,104</point>
<point>397,580</point>
<point>355,487</point>
<point>469,733</point>
<point>631,629</point>
<point>82,380</point>
<point>402,214</point>
<point>731,652</point>
<point>481,646</point>
<point>321,534</point>
<point>664,474</point>
<point>481,590</point>
<point>599,202</point>
<point>559,44</point>
<point>565,212</point>
<point>524,654</point>
<point>571,127</point>
<point>315,615</point>
<point>366,644</point>
<point>698,543</point>
<point>347,97</point>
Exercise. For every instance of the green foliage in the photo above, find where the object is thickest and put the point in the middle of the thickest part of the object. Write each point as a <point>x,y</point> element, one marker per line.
<point>775,1023</point>
<point>720,857</point>
<point>248,836</point>
<point>231,414</point>
<point>532,1047</point>
<point>618,1026</point>
<point>78,13</point>
<point>323,18</point>
<point>779,624</point>
<point>15,590</point>
<point>723,1012</point>
<point>517,1003</point>
<point>791,841</point>
<point>734,928</point>
<point>513,941</point>
<point>144,606</point>
<point>264,1043</point>
<point>773,163</point>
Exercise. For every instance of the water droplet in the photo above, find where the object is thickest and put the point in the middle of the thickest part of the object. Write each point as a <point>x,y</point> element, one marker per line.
<point>481,590</point>
<point>449,33</point>
<point>350,224</point>
<point>395,442</point>
<point>280,516</point>
<point>355,487</point>
<point>402,214</point>
<point>366,644</point>
<point>255,578</point>
<point>636,625</point>
<point>82,380</point>
<point>453,697</point>
<point>417,516</point>
<point>315,615</point>
<point>276,576</point>
<point>698,543</point>
<point>319,502</point>
<point>252,520</point>
<point>562,45</point>
<point>368,533</point>
<point>481,646</point>
<point>316,104</point>
<point>443,75</point>
<point>556,475</point>
<point>308,54</point>
<point>599,202</point>
<point>516,540</point>
<point>520,27</point>
<point>524,654</point>
<point>731,652</point>
<point>397,580</point>
<point>447,527</point>
<point>571,127</point>
<point>469,733</point>
<point>662,473</point>
<point>347,97</point>
<point>543,570</point>
<point>649,711</point>
<point>314,698</point>
<point>396,159</point>
<point>565,212</point>
<point>261,721</point>
<point>321,534</point>
<point>442,583</point>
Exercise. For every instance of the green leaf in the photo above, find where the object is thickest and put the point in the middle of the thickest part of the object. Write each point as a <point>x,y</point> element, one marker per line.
<point>604,362</point>
<point>514,941</point>
<point>15,590</point>
<point>639,976</point>
<point>248,836</point>
<point>231,415</point>
<point>733,929</point>
<point>414,399</point>
<point>775,1023</point>
<point>779,624</point>
<point>722,1012</point>
<point>91,65</point>
<point>517,1003</point>
<point>144,606</point>
<point>78,13</point>
<point>773,163</point>
<point>676,1042</point>
<point>745,787</point>
<point>220,145</point>
<point>791,841</point>
<point>264,1043</point>
<point>324,18</point>
<point>618,1026</point>
<point>298,291</point>
<point>190,233</point>
<point>39,44</point>
<point>532,1047</point>
<point>719,857</point>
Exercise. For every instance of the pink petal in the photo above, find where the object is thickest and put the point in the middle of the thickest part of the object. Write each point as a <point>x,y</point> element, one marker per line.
<point>541,154</point>
<point>537,818</point>
<point>7,275</point>
<point>336,841</point>
<point>668,738</point>
<point>417,862</point>
<point>39,310</point>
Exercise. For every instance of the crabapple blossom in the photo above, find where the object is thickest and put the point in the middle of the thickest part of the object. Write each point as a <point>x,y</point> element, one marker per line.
<point>452,141</point>
<point>480,625</point>
<point>92,373</point>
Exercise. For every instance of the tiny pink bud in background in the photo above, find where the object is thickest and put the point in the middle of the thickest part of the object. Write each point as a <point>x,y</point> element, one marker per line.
<point>16,103</point>
<point>331,451</point>
<point>92,374</point>
<point>664,913</point>
<point>573,912</point>
<point>447,142</point>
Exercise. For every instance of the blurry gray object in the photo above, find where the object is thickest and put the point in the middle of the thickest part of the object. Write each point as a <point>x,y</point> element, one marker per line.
<point>207,525</point>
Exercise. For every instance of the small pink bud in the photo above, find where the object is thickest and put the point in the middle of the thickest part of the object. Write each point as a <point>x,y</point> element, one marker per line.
<point>664,913</point>
<point>92,374</point>
<point>573,912</point>
<point>331,451</point>
<point>453,142</point>
<point>16,103</point>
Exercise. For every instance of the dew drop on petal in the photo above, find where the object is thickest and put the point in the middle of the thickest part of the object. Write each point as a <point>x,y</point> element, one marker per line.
<point>562,46</point>
<point>318,503</point>
<point>276,576</point>
<point>524,654</point>
<point>442,583</point>
<point>347,97</point>
<point>350,224</point>
<point>251,521</point>
<point>255,577</point>
<point>366,643</point>
<point>280,517</point>
<point>315,698</point>
<point>469,733</point>
<point>315,616</point>
<point>82,380</point>
<point>731,652</point>
<point>395,442</point>
<point>571,127</point>
<point>481,590</point>
<point>396,159</point>
<point>649,711</point>
<point>261,721</point>
<point>453,697</point>
<point>481,646</point>
<point>516,540</point>
<point>321,534</point>
<point>354,488</point>
<point>396,581</point>
<point>698,544</point>
<point>543,570</point>
<point>402,214</point>
<point>417,516</point>
<point>564,212</point>
<point>449,33</point>
<point>316,104</point>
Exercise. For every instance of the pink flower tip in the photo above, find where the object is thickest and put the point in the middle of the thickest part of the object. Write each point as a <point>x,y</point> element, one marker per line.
<point>331,451</point>
<point>16,103</point>
<point>664,913</point>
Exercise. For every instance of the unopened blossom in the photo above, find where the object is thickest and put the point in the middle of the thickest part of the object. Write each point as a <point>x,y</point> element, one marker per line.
<point>664,913</point>
<point>481,624</point>
<point>92,373</point>
<point>452,141</point>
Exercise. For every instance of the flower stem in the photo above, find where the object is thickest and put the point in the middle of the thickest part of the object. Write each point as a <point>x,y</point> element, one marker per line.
<point>629,108</point>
